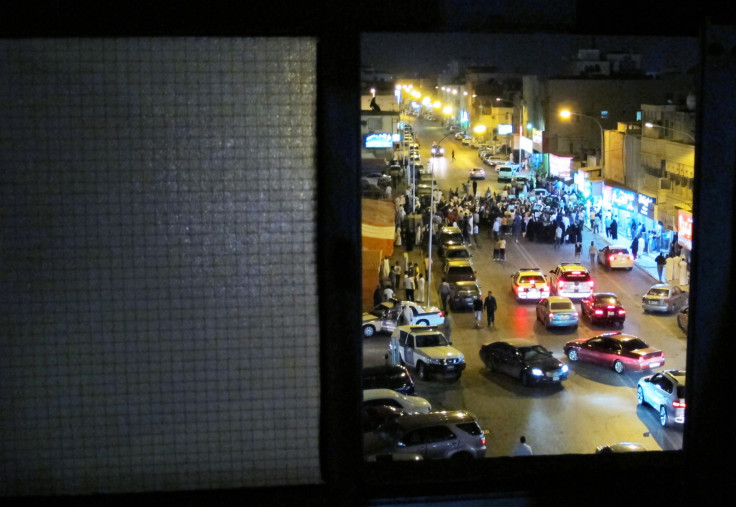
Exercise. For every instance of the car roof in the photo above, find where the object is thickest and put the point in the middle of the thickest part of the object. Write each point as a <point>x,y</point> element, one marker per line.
<point>421,329</point>
<point>467,282</point>
<point>604,295</point>
<point>456,247</point>
<point>532,271</point>
<point>517,342</point>
<point>559,299</point>
<point>412,421</point>
<point>459,262</point>
<point>450,229</point>
<point>678,376</point>
<point>572,266</point>
<point>372,394</point>
<point>618,336</point>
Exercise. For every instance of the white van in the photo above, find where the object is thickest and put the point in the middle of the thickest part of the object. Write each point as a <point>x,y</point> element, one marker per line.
<point>506,172</point>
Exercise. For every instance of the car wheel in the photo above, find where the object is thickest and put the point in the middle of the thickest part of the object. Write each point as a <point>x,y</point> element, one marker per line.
<point>575,327</point>
<point>663,419</point>
<point>573,355</point>
<point>639,396</point>
<point>422,371</point>
<point>369,331</point>
<point>618,367</point>
<point>630,268</point>
<point>423,322</point>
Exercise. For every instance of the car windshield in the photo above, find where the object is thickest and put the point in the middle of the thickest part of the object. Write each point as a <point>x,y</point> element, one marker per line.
<point>561,306</point>
<point>378,311</point>
<point>431,340</point>
<point>658,291</point>
<point>575,276</point>
<point>454,254</point>
<point>455,238</point>
<point>534,352</point>
<point>617,251</point>
<point>634,344</point>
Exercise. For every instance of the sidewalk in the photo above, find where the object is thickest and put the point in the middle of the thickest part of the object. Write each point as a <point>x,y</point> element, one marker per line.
<point>644,261</point>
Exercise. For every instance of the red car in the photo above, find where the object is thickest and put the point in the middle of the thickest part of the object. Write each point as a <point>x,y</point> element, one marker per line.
<point>616,350</point>
<point>603,307</point>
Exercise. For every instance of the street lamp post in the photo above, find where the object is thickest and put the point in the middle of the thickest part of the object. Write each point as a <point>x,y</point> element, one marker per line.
<point>565,113</point>
<point>653,125</point>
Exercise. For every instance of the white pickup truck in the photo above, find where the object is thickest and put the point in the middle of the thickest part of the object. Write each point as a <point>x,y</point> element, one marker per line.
<point>427,350</point>
<point>388,315</point>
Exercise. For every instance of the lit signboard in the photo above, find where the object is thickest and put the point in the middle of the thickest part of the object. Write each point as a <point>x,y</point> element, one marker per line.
<point>537,136</point>
<point>646,204</point>
<point>560,166</point>
<point>685,229</point>
<point>505,129</point>
<point>526,144</point>
<point>379,140</point>
<point>623,199</point>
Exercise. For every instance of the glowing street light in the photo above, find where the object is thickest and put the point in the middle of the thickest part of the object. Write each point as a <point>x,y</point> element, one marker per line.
<point>566,114</point>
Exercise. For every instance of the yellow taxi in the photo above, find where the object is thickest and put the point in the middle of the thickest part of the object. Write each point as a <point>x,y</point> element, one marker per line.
<point>529,284</point>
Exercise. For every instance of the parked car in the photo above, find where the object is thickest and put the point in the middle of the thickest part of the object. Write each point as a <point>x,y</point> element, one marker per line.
<point>615,350</point>
<point>603,307</point>
<point>615,257</point>
<point>462,295</point>
<point>436,435</point>
<point>379,180</point>
<point>384,396</point>
<point>387,315</point>
<point>529,284</point>
<point>620,447</point>
<point>524,360</point>
<point>427,351</point>
<point>373,416</point>
<point>457,270</point>
<point>665,392</point>
<point>682,318</point>
<point>451,252</point>
<point>390,376</point>
<point>662,297</point>
<point>557,311</point>
<point>449,235</point>
<point>571,279</point>
<point>477,173</point>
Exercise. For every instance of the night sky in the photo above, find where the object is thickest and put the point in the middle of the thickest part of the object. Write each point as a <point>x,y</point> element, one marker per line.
<point>541,54</point>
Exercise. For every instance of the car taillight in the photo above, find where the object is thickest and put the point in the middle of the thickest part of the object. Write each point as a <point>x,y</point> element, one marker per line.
<point>442,314</point>
<point>483,439</point>
<point>522,289</point>
<point>560,285</point>
<point>599,312</point>
<point>679,404</point>
<point>610,258</point>
<point>622,312</point>
<point>591,283</point>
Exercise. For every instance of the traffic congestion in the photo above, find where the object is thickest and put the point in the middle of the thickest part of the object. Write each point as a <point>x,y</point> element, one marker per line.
<point>541,327</point>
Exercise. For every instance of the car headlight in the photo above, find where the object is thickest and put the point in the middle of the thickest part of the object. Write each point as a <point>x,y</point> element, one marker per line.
<point>537,372</point>
<point>564,368</point>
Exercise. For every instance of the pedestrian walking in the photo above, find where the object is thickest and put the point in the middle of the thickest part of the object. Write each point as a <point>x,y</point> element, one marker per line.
<point>682,271</point>
<point>501,249</point>
<point>614,229</point>
<point>478,309</point>
<point>558,235</point>
<point>453,155</point>
<point>578,249</point>
<point>421,284</point>
<point>475,234</point>
<point>409,287</point>
<point>592,252</point>
<point>395,274</point>
<point>670,268</point>
<point>444,294</point>
<point>388,294</point>
<point>608,225</point>
<point>522,448</point>
<point>475,187</point>
<point>635,247</point>
<point>661,261</point>
<point>497,249</point>
<point>490,306</point>
<point>447,326</point>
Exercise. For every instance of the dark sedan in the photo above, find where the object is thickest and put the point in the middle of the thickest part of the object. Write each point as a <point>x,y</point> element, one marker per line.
<point>462,295</point>
<point>525,360</point>
<point>603,308</point>
<point>615,350</point>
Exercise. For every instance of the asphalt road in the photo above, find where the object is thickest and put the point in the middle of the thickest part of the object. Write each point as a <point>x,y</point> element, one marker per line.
<point>595,406</point>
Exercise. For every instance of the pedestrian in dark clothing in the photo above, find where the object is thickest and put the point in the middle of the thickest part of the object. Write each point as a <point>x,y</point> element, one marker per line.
<point>478,309</point>
<point>614,229</point>
<point>475,187</point>
<point>453,154</point>
<point>377,296</point>
<point>661,261</point>
<point>635,247</point>
<point>490,306</point>
<point>444,294</point>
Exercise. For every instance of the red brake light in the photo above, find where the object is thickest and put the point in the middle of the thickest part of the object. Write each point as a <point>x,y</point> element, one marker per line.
<point>622,312</point>
<point>442,314</point>
<point>560,285</point>
<point>592,283</point>
<point>599,312</point>
<point>610,258</point>
<point>679,404</point>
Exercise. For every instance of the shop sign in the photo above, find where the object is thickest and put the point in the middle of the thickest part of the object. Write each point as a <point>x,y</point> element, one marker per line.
<point>685,229</point>
<point>646,204</point>
<point>623,199</point>
<point>379,140</point>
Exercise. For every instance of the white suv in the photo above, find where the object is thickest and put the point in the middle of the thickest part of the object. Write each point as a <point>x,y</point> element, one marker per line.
<point>572,280</point>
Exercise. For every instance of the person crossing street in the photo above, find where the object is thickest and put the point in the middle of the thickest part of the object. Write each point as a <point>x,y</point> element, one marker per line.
<point>490,306</point>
